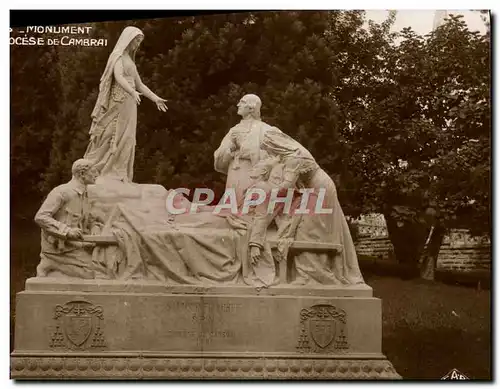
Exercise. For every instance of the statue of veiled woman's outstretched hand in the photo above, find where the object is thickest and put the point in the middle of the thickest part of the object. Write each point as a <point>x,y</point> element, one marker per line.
<point>160,104</point>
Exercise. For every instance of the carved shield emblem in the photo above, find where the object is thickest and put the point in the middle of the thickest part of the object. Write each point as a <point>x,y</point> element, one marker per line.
<point>78,328</point>
<point>322,331</point>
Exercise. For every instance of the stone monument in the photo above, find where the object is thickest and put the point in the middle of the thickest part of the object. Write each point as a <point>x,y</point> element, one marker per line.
<point>137,282</point>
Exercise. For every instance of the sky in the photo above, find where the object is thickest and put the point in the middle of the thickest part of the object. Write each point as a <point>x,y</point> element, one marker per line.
<point>421,21</point>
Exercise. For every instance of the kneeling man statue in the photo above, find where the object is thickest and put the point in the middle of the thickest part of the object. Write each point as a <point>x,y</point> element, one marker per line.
<point>64,218</point>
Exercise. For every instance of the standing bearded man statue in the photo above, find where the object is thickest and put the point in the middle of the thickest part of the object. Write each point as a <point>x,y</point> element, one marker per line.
<point>240,149</point>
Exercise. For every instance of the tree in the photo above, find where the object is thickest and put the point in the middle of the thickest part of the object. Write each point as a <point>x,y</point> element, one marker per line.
<point>418,130</point>
<point>32,115</point>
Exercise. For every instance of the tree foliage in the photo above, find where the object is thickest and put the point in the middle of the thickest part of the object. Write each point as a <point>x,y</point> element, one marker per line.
<point>420,141</point>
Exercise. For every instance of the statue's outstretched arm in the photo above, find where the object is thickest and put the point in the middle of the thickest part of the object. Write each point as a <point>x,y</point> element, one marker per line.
<point>141,87</point>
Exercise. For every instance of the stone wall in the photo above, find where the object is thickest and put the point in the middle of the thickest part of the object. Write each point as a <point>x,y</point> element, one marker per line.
<point>372,237</point>
<point>459,251</point>
<point>378,247</point>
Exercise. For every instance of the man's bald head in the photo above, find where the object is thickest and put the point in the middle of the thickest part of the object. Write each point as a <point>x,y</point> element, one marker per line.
<point>249,106</point>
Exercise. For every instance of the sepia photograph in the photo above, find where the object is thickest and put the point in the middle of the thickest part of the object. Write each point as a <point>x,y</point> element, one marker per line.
<point>286,195</point>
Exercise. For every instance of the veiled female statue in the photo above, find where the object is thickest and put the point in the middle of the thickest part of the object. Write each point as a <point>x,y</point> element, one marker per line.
<point>114,118</point>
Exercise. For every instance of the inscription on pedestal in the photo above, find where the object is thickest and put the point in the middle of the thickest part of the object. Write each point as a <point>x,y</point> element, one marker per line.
<point>201,337</point>
<point>78,326</point>
<point>203,318</point>
<point>322,330</point>
<point>182,306</point>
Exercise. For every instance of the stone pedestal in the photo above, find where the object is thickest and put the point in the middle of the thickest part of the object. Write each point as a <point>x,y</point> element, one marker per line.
<point>111,330</point>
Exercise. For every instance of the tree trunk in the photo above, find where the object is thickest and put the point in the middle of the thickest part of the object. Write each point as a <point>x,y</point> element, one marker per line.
<point>429,261</point>
<point>409,242</point>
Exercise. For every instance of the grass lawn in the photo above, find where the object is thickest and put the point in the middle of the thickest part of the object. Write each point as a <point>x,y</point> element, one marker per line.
<point>431,328</point>
<point>428,328</point>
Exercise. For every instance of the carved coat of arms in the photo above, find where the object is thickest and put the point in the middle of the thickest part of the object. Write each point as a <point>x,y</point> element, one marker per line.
<point>322,329</point>
<point>78,326</point>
